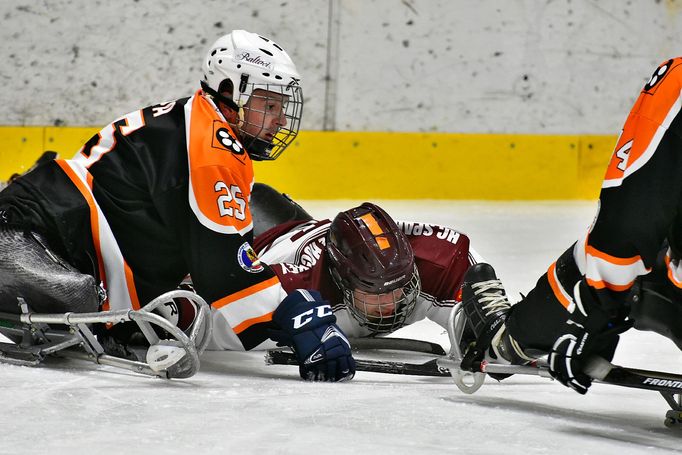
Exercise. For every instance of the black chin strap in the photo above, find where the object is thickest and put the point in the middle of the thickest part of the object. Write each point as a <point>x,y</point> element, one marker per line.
<point>223,99</point>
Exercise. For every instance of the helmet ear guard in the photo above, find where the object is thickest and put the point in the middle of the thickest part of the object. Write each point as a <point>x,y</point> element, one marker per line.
<point>372,263</point>
<point>229,102</point>
<point>252,62</point>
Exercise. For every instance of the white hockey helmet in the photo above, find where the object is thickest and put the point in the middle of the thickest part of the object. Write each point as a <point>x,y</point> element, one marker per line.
<point>253,62</point>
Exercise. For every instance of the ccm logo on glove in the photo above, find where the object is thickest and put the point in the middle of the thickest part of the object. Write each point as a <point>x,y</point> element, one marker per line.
<point>306,323</point>
<point>307,316</point>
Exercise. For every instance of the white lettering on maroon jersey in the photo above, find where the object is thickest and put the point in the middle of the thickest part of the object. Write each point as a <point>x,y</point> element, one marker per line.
<point>448,234</point>
<point>415,228</point>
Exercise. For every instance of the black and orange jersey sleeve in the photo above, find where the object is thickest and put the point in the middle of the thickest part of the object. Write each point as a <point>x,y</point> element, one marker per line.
<point>641,190</point>
<point>221,172</point>
<point>242,290</point>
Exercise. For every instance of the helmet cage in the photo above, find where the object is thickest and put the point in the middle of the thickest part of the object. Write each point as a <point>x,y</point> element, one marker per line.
<point>368,309</point>
<point>373,265</point>
<point>256,115</point>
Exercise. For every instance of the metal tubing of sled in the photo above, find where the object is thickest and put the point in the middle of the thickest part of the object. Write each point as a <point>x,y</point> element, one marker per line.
<point>108,317</point>
<point>67,343</point>
<point>104,359</point>
<point>116,316</point>
<point>177,357</point>
<point>516,369</point>
<point>203,314</point>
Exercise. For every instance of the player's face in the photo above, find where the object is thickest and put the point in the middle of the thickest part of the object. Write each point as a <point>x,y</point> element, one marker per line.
<point>377,305</point>
<point>264,114</point>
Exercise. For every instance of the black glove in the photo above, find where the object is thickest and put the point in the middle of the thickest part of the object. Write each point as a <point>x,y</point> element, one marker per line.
<point>584,334</point>
<point>307,325</point>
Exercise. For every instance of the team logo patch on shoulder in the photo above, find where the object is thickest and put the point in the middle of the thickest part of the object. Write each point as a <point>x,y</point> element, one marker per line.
<point>248,259</point>
<point>223,139</point>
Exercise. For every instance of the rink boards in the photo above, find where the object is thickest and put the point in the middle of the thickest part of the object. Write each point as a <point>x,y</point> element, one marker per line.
<point>386,165</point>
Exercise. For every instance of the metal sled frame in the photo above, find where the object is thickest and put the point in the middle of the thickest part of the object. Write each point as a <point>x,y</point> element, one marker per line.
<point>667,384</point>
<point>36,337</point>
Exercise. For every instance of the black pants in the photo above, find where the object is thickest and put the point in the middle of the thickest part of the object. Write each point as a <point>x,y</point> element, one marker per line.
<point>270,208</point>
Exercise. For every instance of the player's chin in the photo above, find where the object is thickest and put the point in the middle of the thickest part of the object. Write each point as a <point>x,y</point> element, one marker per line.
<point>380,319</point>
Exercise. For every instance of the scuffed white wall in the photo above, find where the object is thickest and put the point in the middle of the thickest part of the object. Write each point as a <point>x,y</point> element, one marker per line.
<point>543,66</point>
<point>86,62</point>
<point>529,66</point>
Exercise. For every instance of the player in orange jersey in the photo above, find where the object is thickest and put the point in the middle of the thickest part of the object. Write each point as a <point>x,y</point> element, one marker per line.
<point>624,270</point>
<point>162,192</point>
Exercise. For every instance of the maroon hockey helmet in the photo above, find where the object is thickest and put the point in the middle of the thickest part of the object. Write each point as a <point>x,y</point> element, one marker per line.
<point>372,262</point>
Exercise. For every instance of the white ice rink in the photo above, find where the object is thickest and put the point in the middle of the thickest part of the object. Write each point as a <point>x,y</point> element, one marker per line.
<point>236,404</point>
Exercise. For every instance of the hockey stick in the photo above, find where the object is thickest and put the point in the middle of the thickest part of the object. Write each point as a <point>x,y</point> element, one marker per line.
<point>397,344</point>
<point>604,371</point>
<point>430,368</point>
<point>599,369</point>
<point>669,385</point>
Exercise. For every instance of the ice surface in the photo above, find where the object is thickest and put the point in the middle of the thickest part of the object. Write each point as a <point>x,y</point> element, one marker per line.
<point>236,404</point>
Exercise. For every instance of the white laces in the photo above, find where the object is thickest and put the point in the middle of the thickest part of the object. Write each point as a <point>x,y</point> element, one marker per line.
<point>491,295</point>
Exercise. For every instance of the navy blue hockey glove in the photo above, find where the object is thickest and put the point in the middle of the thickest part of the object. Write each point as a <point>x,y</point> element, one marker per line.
<point>307,325</point>
<point>583,335</point>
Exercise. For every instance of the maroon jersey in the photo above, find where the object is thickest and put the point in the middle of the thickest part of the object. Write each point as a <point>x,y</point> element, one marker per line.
<point>296,253</point>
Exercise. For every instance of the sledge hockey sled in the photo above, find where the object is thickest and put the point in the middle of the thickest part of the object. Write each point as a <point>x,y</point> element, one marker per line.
<point>37,336</point>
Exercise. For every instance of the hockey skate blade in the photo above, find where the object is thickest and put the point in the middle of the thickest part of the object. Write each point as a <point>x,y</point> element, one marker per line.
<point>160,357</point>
<point>466,381</point>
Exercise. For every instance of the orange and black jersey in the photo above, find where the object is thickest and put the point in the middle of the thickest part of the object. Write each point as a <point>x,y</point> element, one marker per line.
<point>639,210</point>
<point>158,194</point>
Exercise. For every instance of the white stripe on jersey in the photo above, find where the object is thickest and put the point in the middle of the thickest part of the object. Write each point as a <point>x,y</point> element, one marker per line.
<point>306,295</point>
<point>560,287</point>
<point>255,305</point>
<point>116,283</point>
<point>674,269</point>
<point>252,306</point>
<point>600,270</point>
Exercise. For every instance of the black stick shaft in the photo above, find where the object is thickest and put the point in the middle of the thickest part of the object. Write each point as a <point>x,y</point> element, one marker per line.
<point>430,368</point>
